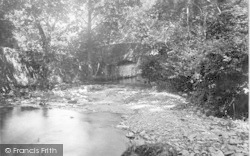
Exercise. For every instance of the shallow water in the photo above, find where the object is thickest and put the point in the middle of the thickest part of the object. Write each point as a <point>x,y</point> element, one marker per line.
<point>82,134</point>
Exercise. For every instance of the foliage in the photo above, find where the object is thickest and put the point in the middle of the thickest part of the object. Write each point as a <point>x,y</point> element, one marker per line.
<point>37,71</point>
<point>198,46</point>
<point>11,70</point>
<point>42,33</point>
<point>67,69</point>
<point>208,55</point>
<point>152,70</point>
<point>6,70</point>
<point>224,72</point>
<point>8,60</point>
<point>6,28</point>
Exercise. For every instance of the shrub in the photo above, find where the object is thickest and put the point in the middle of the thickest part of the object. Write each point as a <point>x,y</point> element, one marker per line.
<point>224,71</point>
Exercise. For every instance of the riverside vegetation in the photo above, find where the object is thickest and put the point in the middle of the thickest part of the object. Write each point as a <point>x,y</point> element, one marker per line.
<point>195,49</point>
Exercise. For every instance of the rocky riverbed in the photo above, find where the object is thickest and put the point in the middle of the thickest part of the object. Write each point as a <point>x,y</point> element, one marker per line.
<point>149,116</point>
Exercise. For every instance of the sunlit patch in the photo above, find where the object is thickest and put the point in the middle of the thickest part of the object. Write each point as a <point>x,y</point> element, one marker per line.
<point>156,109</point>
<point>169,106</point>
<point>140,106</point>
<point>167,94</point>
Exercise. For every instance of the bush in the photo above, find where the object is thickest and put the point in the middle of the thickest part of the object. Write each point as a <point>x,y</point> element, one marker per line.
<point>37,67</point>
<point>224,71</point>
<point>164,77</point>
<point>213,66</point>
<point>221,87</point>
<point>152,70</point>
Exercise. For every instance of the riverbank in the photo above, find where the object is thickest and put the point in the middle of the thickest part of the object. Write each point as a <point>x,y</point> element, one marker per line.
<point>149,116</point>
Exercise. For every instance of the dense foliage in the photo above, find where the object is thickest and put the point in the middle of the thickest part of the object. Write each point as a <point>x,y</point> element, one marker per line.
<point>197,47</point>
<point>224,71</point>
<point>210,62</point>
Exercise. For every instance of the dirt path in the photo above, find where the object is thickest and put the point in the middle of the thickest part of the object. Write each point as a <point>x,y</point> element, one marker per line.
<point>151,116</point>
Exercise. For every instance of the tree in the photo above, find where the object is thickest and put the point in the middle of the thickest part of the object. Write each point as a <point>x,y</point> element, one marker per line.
<point>198,42</point>
<point>224,74</point>
<point>41,27</point>
<point>103,23</point>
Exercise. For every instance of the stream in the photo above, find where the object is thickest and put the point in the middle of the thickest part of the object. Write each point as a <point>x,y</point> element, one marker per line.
<point>82,134</point>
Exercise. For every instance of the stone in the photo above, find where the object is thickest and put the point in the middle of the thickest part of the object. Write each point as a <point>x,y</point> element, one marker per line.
<point>217,145</point>
<point>146,136</point>
<point>72,101</point>
<point>139,141</point>
<point>196,148</point>
<point>185,95</point>
<point>42,103</point>
<point>228,153</point>
<point>184,153</point>
<point>191,137</point>
<point>235,141</point>
<point>192,154</point>
<point>142,133</point>
<point>217,153</point>
<point>122,126</point>
<point>160,139</point>
<point>204,153</point>
<point>153,137</point>
<point>130,135</point>
<point>231,148</point>
<point>214,152</point>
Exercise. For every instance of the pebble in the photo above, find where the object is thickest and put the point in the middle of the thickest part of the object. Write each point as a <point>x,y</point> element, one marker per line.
<point>217,145</point>
<point>139,142</point>
<point>228,153</point>
<point>197,148</point>
<point>214,152</point>
<point>215,141</point>
<point>231,148</point>
<point>184,153</point>
<point>142,133</point>
<point>122,126</point>
<point>147,137</point>
<point>191,137</point>
<point>42,103</point>
<point>193,154</point>
<point>130,135</point>
<point>235,141</point>
<point>72,101</point>
<point>204,153</point>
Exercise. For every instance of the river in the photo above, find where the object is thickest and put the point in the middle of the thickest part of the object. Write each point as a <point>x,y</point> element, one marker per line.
<point>82,134</point>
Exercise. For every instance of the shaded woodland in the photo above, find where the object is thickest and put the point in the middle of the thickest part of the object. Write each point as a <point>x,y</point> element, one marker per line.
<point>195,47</point>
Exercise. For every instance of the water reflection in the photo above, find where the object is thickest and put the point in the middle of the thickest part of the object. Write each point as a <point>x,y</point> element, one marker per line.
<point>90,134</point>
<point>132,80</point>
<point>5,113</point>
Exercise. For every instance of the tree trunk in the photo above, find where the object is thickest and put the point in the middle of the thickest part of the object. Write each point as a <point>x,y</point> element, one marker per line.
<point>89,37</point>
<point>45,41</point>
<point>188,15</point>
<point>45,46</point>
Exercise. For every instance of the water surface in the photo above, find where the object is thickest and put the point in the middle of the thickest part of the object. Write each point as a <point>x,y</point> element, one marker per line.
<point>82,134</point>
